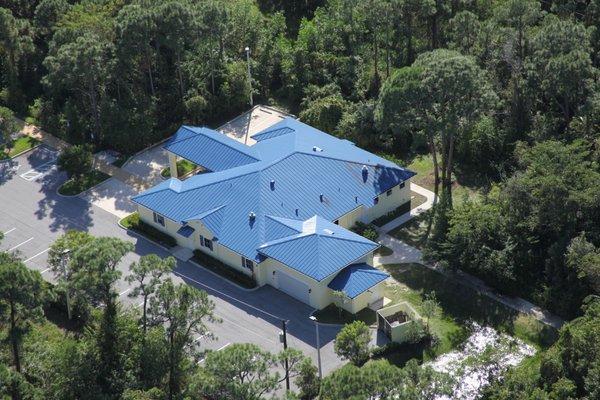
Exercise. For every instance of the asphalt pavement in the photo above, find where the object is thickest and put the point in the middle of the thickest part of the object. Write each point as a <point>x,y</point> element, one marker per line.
<point>33,216</point>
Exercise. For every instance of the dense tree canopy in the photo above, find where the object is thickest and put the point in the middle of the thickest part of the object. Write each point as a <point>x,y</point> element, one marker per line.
<point>503,95</point>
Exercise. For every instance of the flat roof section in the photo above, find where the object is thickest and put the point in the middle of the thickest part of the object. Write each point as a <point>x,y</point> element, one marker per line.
<point>258,118</point>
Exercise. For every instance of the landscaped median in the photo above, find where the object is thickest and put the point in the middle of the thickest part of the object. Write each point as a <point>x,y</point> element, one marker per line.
<point>79,184</point>
<point>134,223</point>
<point>184,167</point>
<point>17,146</point>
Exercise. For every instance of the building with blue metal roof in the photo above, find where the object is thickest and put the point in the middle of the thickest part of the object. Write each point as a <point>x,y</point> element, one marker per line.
<point>280,210</point>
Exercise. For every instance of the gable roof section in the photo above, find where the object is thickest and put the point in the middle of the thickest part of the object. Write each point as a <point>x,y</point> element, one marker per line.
<point>321,249</point>
<point>356,279</point>
<point>209,148</point>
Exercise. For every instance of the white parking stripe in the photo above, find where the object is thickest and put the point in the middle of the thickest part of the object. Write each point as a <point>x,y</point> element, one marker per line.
<point>222,347</point>
<point>9,231</point>
<point>124,291</point>
<point>20,244</point>
<point>38,254</point>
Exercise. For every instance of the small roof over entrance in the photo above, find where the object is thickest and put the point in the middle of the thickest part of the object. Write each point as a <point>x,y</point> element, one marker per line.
<point>356,279</point>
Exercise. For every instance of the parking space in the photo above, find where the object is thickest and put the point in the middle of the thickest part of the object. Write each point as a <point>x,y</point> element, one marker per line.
<point>33,216</point>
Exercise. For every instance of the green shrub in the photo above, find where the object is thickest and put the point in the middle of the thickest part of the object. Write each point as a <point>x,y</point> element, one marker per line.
<point>134,223</point>
<point>368,231</point>
<point>224,270</point>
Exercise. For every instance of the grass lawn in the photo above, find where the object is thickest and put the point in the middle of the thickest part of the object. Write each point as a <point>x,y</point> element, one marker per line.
<point>74,186</point>
<point>331,315</point>
<point>183,167</point>
<point>18,146</point>
<point>133,222</point>
<point>413,231</point>
<point>459,305</point>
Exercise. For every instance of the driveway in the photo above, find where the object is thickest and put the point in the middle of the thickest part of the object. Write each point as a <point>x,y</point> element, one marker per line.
<point>32,216</point>
<point>148,164</point>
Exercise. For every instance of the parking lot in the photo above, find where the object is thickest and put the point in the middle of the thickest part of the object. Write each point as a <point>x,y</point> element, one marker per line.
<point>32,216</point>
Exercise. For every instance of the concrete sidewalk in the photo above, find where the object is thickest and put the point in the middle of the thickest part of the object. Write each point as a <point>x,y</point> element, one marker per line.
<point>403,253</point>
<point>428,194</point>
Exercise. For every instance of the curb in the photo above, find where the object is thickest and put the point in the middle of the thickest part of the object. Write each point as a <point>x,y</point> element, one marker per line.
<point>68,196</point>
<point>190,260</point>
<point>24,151</point>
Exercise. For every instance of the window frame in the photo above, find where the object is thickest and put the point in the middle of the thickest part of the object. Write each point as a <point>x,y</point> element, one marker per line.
<point>158,218</point>
<point>247,263</point>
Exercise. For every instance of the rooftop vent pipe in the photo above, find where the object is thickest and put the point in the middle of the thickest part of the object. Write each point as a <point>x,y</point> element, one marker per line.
<point>252,215</point>
<point>321,197</point>
<point>317,149</point>
<point>272,185</point>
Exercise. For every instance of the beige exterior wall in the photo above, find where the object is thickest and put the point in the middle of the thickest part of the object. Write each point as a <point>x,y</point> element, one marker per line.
<point>348,220</point>
<point>320,295</point>
<point>365,299</point>
<point>222,253</point>
<point>387,203</point>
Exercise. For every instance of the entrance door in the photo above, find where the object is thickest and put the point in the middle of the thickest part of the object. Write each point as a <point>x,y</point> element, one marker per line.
<point>292,286</point>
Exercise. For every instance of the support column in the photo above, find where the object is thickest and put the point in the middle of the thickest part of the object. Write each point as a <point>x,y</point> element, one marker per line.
<point>173,165</point>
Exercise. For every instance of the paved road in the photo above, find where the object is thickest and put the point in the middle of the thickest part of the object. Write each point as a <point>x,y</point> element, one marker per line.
<point>32,216</point>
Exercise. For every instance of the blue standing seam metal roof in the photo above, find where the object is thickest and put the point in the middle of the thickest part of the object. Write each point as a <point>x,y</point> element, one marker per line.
<point>192,144</point>
<point>319,250</point>
<point>356,279</point>
<point>296,174</point>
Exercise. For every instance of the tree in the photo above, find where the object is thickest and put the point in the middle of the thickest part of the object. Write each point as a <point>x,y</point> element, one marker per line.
<point>430,308</point>
<point>148,274</point>
<point>76,160</point>
<point>307,381</point>
<point>21,299</point>
<point>380,380</point>
<point>94,274</point>
<point>352,342</point>
<point>339,298</point>
<point>8,125</point>
<point>243,371</point>
<point>584,257</point>
<point>560,70</point>
<point>184,312</point>
<point>82,67</point>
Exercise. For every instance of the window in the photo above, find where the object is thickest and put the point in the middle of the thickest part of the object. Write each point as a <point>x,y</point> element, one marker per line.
<point>389,192</point>
<point>204,242</point>
<point>401,185</point>
<point>246,263</point>
<point>159,219</point>
<point>376,200</point>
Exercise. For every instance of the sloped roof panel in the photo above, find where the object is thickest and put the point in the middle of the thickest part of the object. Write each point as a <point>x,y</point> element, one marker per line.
<point>356,279</point>
<point>209,149</point>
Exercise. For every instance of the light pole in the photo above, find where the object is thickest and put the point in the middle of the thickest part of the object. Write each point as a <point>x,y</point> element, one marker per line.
<point>249,75</point>
<point>313,318</point>
<point>64,258</point>
<point>283,338</point>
